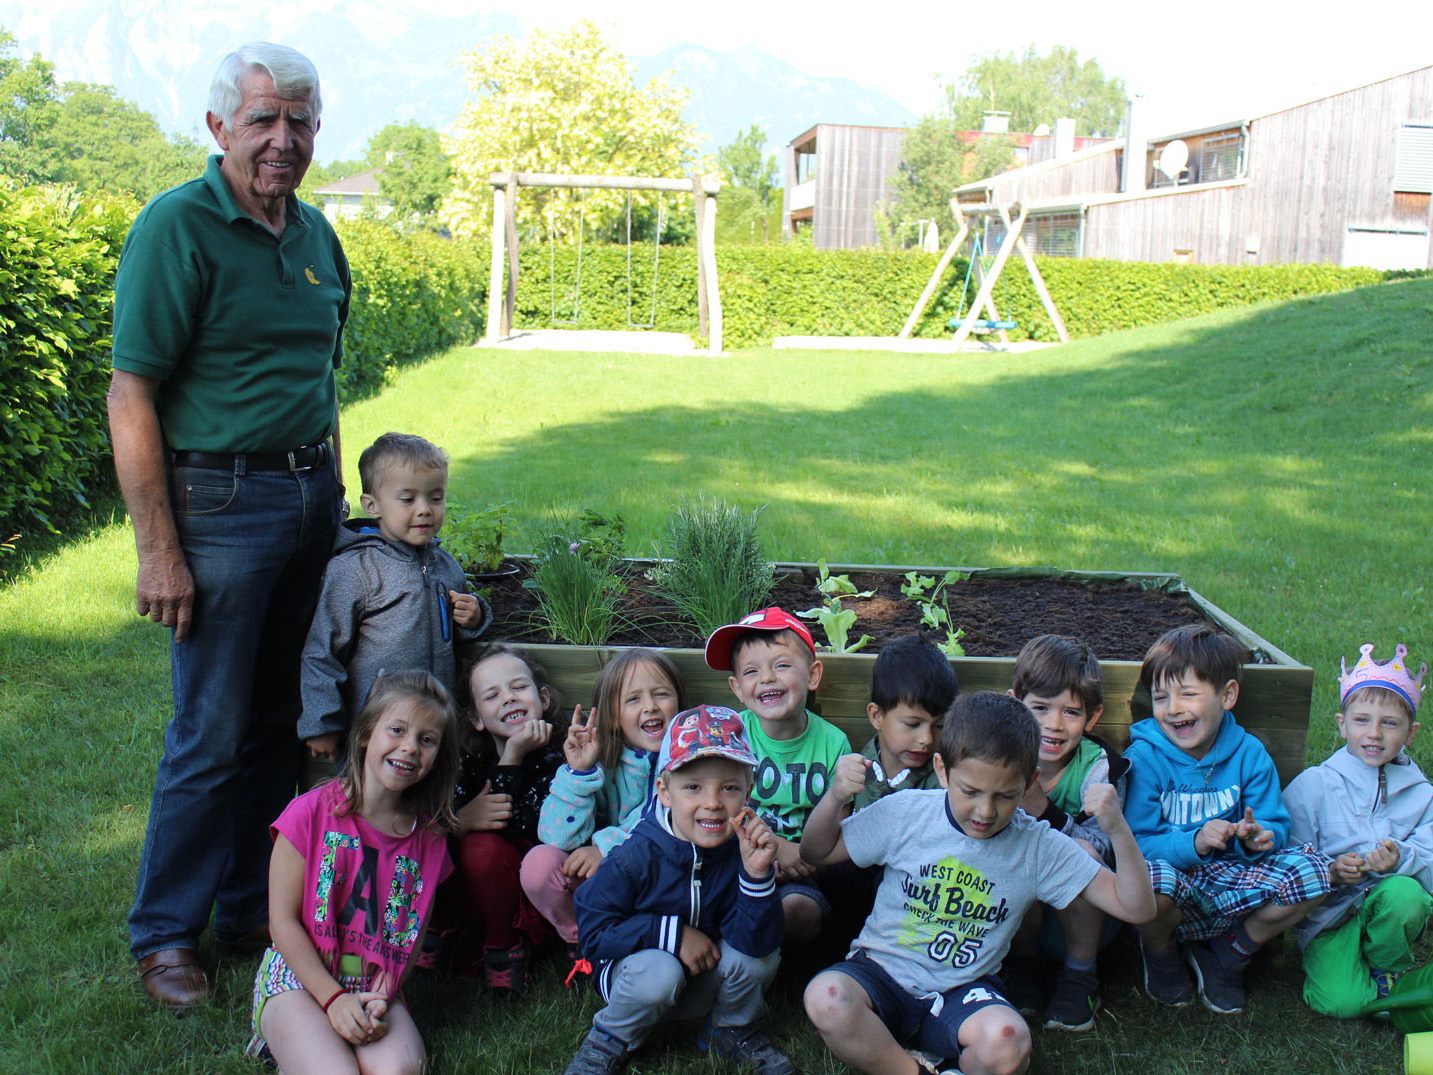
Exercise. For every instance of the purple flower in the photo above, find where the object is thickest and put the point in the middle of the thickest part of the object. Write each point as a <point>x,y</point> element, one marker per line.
<point>574,546</point>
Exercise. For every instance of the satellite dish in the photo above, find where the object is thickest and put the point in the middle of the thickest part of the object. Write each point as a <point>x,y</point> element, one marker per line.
<point>1173,158</point>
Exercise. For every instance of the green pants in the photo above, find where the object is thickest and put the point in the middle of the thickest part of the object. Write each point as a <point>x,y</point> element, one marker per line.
<point>1381,934</point>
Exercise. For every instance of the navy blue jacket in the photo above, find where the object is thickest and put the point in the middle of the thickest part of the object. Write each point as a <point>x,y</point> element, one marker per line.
<point>655,883</point>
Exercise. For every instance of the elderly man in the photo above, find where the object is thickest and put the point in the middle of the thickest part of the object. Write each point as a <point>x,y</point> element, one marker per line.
<point>230,301</point>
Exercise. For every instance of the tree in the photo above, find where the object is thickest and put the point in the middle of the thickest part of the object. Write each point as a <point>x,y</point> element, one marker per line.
<point>1037,89</point>
<point>414,172</point>
<point>560,102</point>
<point>750,175</point>
<point>932,166</point>
<point>27,92</point>
<point>101,142</point>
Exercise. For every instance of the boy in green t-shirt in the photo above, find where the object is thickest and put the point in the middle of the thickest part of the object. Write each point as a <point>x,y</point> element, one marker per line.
<point>772,658</point>
<point>1058,679</point>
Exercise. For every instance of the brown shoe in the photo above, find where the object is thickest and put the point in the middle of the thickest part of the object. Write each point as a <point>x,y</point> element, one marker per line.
<point>174,977</point>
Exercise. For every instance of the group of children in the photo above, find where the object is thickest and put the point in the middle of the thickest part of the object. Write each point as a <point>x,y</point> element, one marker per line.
<point>675,851</point>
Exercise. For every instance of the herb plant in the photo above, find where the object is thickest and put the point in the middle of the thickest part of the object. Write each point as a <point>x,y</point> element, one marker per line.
<point>717,570</point>
<point>835,620</point>
<point>475,538</point>
<point>575,578</point>
<point>934,604</point>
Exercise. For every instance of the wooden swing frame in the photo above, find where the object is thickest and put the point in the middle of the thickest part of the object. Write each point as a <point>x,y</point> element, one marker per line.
<point>983,297</point>
<point>503,299</point>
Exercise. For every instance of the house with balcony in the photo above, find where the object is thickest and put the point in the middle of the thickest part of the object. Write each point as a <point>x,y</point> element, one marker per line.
<point>837,174</point>
<point>1345,179</point>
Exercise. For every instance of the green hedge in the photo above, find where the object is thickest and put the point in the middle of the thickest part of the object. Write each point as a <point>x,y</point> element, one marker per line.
<point>57,258</point>
<point>770,291</point>
<point>414,295</point>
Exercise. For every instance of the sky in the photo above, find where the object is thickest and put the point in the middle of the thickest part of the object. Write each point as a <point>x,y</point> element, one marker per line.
<point>1194,63</point>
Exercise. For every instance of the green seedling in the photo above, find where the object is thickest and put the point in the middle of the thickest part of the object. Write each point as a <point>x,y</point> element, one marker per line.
<point>836,621</point>
<point>934,605</point>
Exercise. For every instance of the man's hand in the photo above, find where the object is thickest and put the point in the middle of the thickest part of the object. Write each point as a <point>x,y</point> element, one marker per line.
<point>697,952</point>
<point>758,846</point>
<point>324,746</point>
<point>465,608</point>
<point>530,735</point>
<point>1383,858</point>
<point>485,811</point>
<point>164,590</point>
<point>582,863</point>
<point>1214,836</point>
<point>581,748</point>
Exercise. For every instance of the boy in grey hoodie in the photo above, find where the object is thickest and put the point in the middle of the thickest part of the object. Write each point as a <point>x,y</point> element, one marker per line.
<point>392,600</point>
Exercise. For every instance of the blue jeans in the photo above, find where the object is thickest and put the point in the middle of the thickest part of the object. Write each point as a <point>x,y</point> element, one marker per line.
<point>256,544</point>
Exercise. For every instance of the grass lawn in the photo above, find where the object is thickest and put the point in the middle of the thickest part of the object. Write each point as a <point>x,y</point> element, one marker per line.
<point>1277,457</point>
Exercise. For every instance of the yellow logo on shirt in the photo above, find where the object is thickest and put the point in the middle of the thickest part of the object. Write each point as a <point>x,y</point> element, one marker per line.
<point>309,276</point>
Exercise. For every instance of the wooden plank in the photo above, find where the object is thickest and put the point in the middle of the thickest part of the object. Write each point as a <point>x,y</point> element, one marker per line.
<point>495,269</point>
<point>699,208</point>
<point>934,281</point>
<point>510,227</point>
<point>1273,702</point>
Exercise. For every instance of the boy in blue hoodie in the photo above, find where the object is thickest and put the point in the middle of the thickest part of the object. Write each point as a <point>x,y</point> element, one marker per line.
<point>1203,801</point>
<point>682,920</point>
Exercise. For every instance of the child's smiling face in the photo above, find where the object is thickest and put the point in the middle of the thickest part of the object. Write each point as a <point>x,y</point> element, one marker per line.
<point>705,797</point>
<point>1376,725</point>
<point>402,746</point>
<point>505,696</point>
<point>409,503</point>
<point>649,702</point>
<point>1190,710</point>
<point>773,674</point>
<point>1063,721</point>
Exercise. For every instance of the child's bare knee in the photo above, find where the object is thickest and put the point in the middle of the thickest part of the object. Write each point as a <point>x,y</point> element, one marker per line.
<point>831,999</point>
<point>1001,1045</point>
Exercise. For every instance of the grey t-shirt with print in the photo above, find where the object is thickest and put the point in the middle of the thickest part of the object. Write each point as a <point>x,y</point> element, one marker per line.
<point>948,905</point>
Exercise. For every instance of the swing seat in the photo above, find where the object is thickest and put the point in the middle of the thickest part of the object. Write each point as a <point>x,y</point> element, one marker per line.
<point>982,325</point>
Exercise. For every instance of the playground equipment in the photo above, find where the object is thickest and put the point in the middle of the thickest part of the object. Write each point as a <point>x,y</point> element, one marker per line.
<point>982,316</point>
<point>502,297</point>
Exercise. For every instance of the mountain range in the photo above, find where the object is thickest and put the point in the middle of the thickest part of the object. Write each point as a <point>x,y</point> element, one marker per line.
<point>381,66</point>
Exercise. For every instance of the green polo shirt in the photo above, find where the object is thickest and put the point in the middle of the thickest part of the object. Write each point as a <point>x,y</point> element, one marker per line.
<point>243,329</point>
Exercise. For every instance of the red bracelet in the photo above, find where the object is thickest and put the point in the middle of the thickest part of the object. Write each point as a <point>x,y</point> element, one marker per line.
<point>340,991</point>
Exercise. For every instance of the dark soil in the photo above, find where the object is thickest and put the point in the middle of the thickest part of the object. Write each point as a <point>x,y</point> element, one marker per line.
<point>1118,620</point>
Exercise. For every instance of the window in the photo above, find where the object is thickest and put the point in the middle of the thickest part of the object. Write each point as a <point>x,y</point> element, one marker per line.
<point>1053,235</point>
<point>1413,165</point>
<point>1220,157</point>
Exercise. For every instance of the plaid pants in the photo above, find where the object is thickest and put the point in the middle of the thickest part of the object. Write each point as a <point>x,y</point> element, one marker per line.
<point>1216,896</point>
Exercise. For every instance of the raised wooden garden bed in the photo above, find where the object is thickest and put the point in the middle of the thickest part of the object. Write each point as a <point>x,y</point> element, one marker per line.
<point>999,608</point>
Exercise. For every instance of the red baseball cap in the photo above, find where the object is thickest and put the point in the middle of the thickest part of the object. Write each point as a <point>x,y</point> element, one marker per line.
<point>718,652</point>
<point>707,731</point>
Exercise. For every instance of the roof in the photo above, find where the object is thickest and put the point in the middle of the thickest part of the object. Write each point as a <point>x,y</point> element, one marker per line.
<point>362,183</point>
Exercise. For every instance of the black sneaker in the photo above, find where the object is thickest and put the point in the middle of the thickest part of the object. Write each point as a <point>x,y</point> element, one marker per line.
<point>1164,977</point>
<point>1074,1001</point>
<point>746,1045</point>
<point>599,1054</point>
<point>1221,983</point>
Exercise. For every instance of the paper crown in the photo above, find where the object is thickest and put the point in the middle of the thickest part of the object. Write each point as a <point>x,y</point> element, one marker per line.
<point>1391,676</point>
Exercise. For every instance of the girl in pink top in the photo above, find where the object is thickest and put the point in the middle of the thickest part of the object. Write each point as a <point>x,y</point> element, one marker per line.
<point>356,863</point>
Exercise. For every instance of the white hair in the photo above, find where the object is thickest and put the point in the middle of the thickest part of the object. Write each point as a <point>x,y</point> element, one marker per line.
<point>293,73</point>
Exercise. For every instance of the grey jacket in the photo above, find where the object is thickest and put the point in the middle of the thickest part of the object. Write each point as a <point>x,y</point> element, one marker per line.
<point>1345,805</point>
<point>384,608</point>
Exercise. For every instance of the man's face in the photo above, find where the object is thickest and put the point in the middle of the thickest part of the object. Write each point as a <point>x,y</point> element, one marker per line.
<point>269,145</point>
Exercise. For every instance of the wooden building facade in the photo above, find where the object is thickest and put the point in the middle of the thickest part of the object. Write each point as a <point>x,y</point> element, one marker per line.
<point>835,176</point>
<point>1343,180</point>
